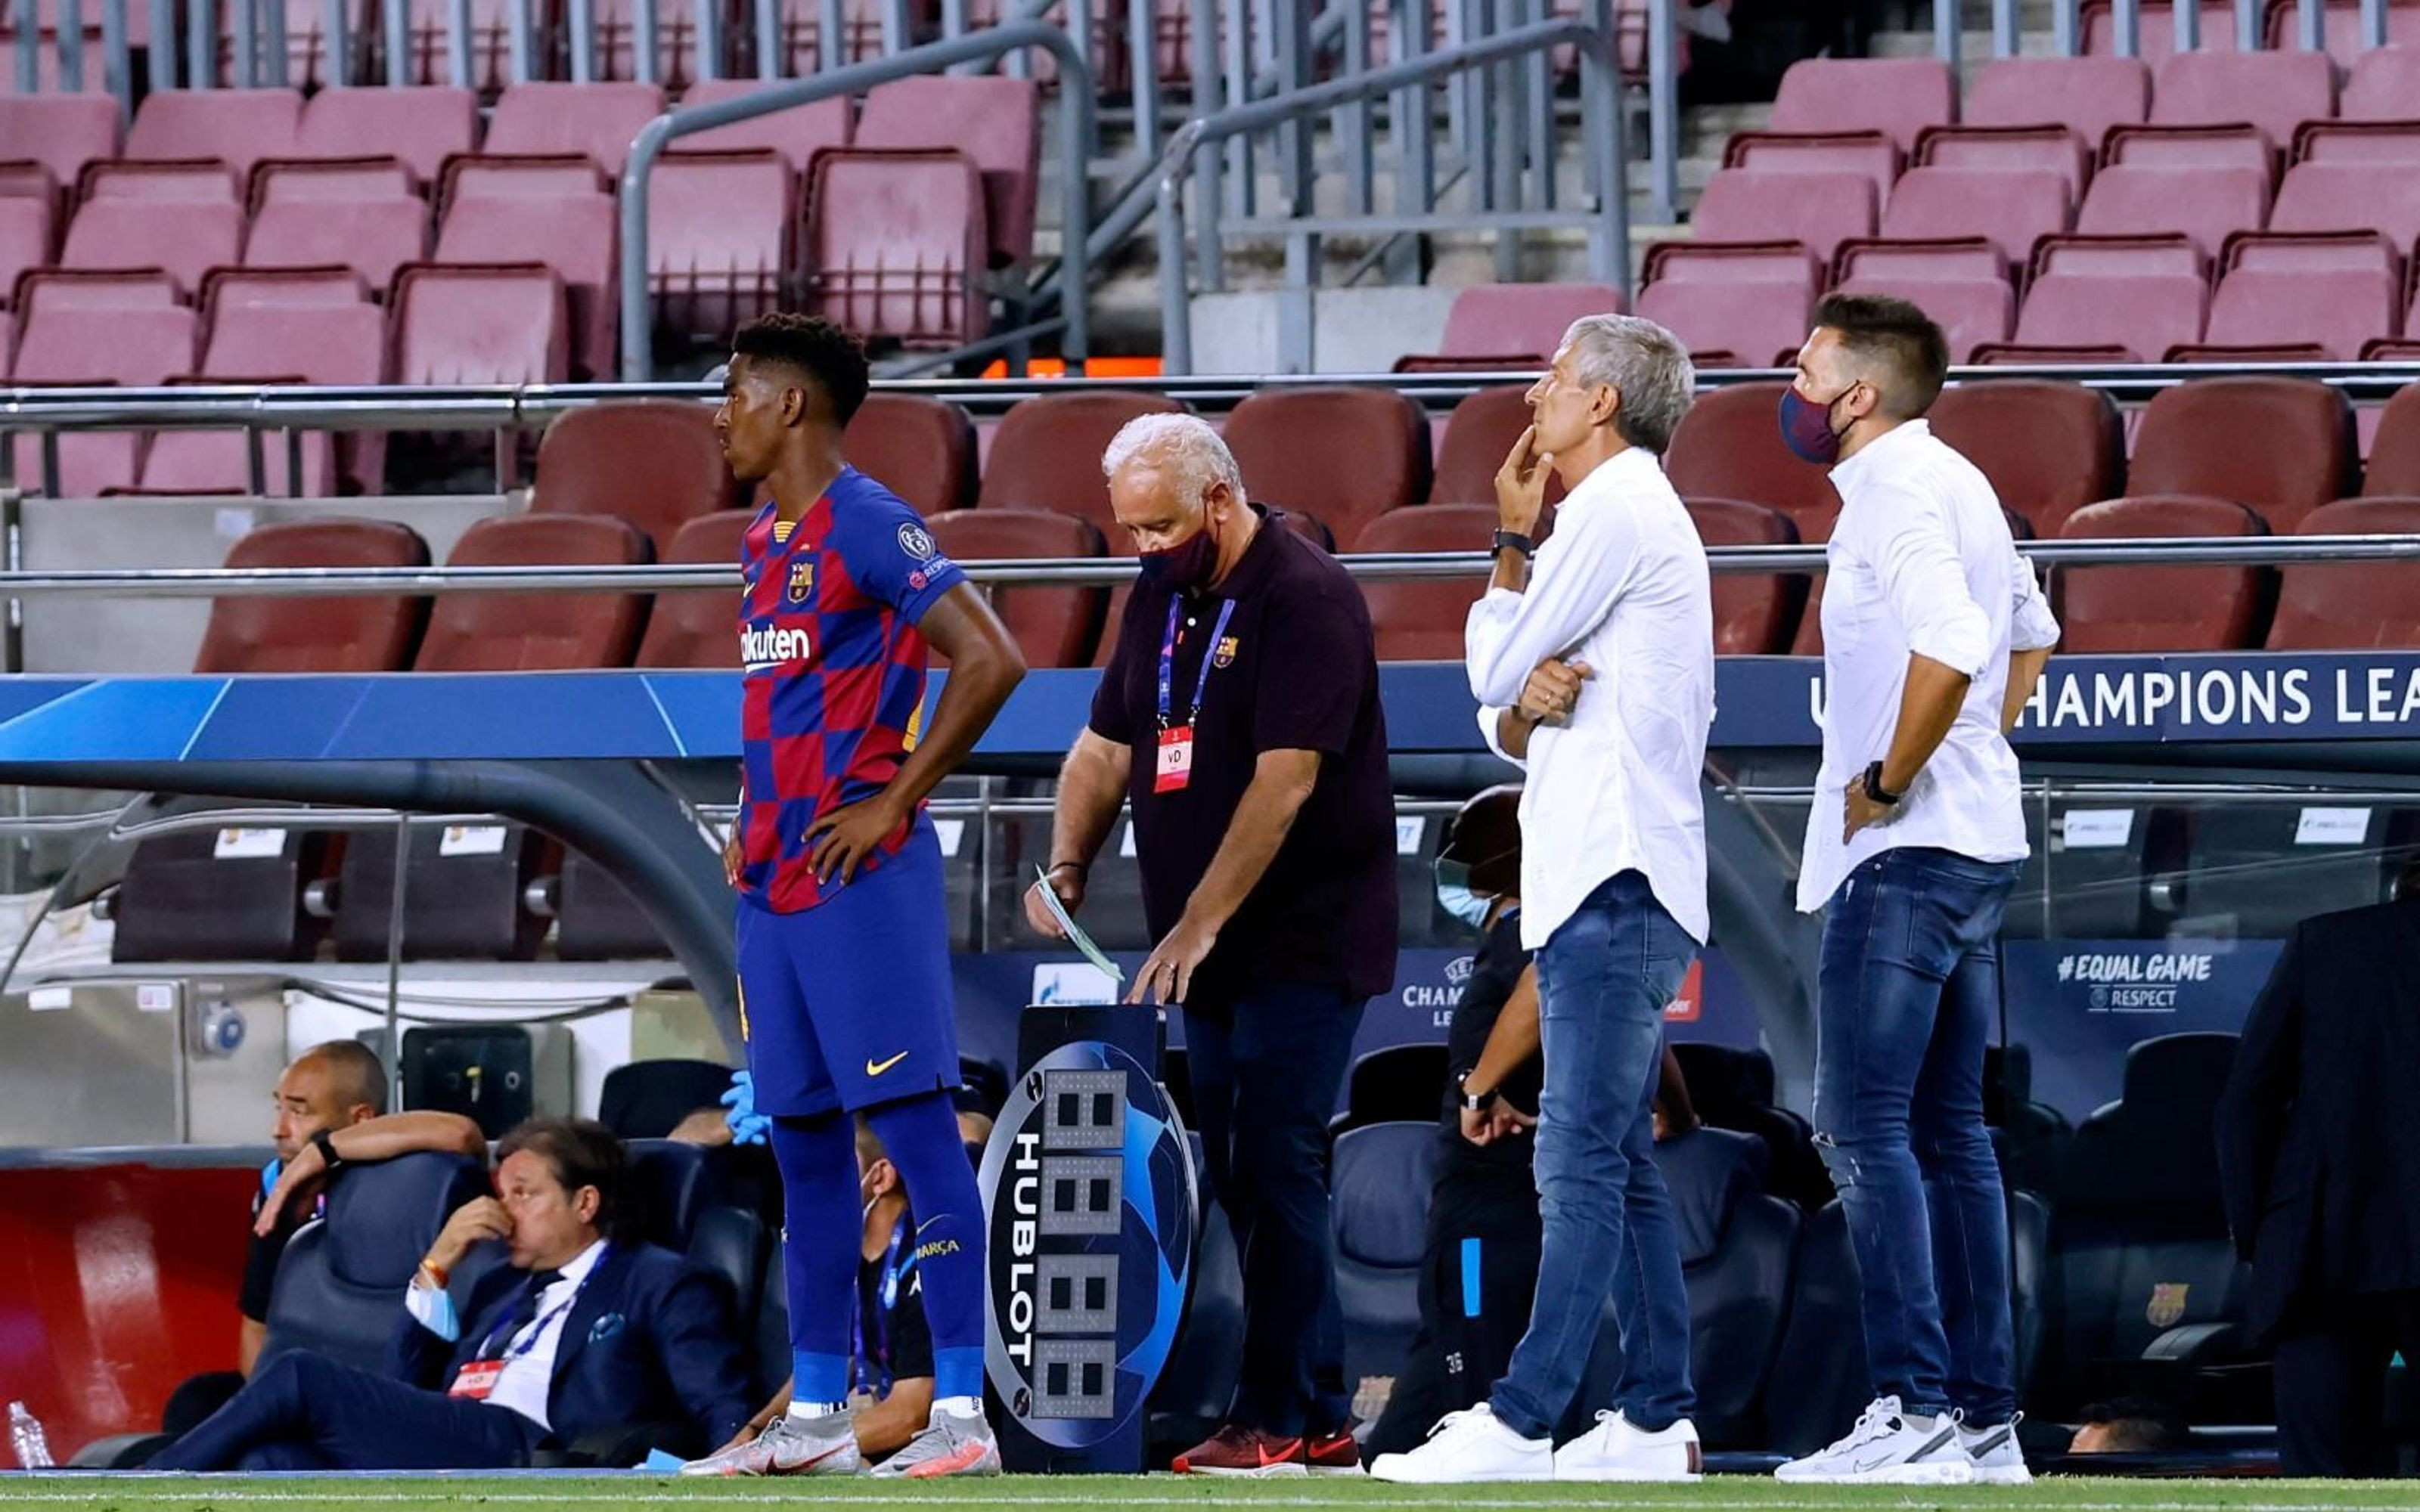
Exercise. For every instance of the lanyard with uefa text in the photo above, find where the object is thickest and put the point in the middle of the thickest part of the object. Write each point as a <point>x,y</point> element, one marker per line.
<point>1175,765</point>
<point>873,1366</point>
<point>477,1378</point>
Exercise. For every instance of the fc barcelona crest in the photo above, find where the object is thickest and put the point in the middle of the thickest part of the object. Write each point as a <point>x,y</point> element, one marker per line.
<point>1225,653</point>
<point>2167,1304</point>
<point>803,581</point>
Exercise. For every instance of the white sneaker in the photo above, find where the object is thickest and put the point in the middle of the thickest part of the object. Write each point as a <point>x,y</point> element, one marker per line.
<point>1888,1447</point>
<point>1994,1455</point>
<point>954,1443</point>
<point>1470,1446</point>
<point>1614,1450</point>
<point>788,1446</point>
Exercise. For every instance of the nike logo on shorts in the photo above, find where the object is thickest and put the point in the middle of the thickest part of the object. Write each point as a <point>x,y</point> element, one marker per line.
<point>875,1068</point>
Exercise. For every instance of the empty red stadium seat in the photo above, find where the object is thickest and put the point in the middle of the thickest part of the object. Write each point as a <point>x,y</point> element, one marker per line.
<point>1752,300</point>
<point>1420,618</point>
<point>420,126</point>
<point>719,238</point>
<point>796,133</point>
<point>573,233</point>
<point>1503,318</point>
<point>1345,454</point>
<point>2051,354</point>
<point>596,119</point>
<point>374,177</point>
<point>2280,446</point>
<point>1962,285</point>
<point>1818,210</point>
<point>2384,84</point>
<point>62,133</point>
<point>519,174</point>
<point>696,628</point>
<point>2144,293</point>
<point>533,632</point>
<point>372,234</point>
<point>2351,196</point>
<point>129,346</point>
<point>2207,204</point>
<point>2192,147</point>
<point>1728,447</point>
<point>2130,608</point>
<point>2205,352</point>
<point>503,324</point>
<point>2156,41</point>
<point>2088,95</point>
<point>2049,448</point>
<point>206,180</point>
<point>896,244</point>
<point>239,127</point>
<point>1053,626</point>
<point>997,122</point>
<point>1870,153</point>
<point>656,463</point>
<point>1902,96</point>
<point>1478,437</point>
<point>2340,290</point>
<point>347,634</point>
<point>919,448</point>
<point>2394,467</point>
<point>2039,148</point>
<point>2379,142</point>
<point>26,238</point>
<point>2274,91</point>
<point>2010,208</point>
<point>1753,615</point>
<point>58,288</point>
<point>2351,606</point>
<point>1046,455</point>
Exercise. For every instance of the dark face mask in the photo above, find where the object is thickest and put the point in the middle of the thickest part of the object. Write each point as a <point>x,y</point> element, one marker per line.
<point>1186,566</point>
<point>1807,426</point>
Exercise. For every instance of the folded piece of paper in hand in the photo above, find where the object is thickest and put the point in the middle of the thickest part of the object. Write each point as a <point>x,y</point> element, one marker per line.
<point>1075,934</point>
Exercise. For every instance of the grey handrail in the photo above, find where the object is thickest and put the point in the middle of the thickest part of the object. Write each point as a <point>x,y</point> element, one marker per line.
<point>1609,238</point>
<point>1076,148</point>
<point>1083,572</point>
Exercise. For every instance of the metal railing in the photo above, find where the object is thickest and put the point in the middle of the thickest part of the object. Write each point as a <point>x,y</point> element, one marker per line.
<point>1082,572</point>
<point>1075,150</point>
<point>1606,221</point>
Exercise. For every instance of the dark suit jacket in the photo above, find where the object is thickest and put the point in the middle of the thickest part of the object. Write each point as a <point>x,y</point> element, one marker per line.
<point>2318,1129</point>
<point>650,1339</point>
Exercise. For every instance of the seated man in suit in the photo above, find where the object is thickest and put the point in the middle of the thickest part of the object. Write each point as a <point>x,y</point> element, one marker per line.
<point>578,1332</point>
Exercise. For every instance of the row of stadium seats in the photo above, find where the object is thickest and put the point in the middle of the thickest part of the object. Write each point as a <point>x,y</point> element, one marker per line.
<point>2143,224</point>
<point>885,220</point>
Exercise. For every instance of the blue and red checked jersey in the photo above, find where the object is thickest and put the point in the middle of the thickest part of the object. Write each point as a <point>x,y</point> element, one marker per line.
<point>832,686</point>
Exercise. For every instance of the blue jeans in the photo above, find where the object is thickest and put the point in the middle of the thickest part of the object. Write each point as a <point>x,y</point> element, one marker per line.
<point>1266,1070</point>
<point>1910,983</point>
<point>1604,979</point>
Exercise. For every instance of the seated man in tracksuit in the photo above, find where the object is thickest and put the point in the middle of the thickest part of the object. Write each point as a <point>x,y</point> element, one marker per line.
<point>1481,1262</point>
<point>579,1333</point>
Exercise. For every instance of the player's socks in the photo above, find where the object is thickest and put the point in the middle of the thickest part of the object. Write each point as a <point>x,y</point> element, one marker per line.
<point>819,1252</point>
<point>921,1135</point>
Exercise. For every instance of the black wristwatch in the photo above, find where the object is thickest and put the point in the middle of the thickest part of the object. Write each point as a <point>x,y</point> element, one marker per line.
<point>1472,1101</point>
<point>330,1162</point>
<point>1875,790</point>
<point>1514,541</point>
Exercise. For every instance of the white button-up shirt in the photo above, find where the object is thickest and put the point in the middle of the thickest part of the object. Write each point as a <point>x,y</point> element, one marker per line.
<point>1620,585</point>
<point>528,1377</point>
<point>1920,563</point>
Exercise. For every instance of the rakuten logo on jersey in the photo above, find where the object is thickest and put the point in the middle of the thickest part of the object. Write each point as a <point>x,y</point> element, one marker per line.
<point>764,650</point>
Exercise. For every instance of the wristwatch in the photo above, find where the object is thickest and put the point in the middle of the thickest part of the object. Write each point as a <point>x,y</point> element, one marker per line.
<point>1874,788</point>
<point>330,1161</point>
<point>1514,541</point>
<point>1472,1101</point>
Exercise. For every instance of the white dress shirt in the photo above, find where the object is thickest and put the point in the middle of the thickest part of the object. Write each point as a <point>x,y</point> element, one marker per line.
<point>1620,585</point>
<point>1920,563</point>
<point>528,1377</point>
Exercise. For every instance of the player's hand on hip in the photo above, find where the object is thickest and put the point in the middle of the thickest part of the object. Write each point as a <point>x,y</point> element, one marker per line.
<point>733,857</point>
<point>1167,976</point>
<point>843,839</point>
<point>1068,884</point>
<point>1553,690</point>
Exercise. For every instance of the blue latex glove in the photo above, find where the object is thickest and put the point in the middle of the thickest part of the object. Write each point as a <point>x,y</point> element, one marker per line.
<point>748,1126</point>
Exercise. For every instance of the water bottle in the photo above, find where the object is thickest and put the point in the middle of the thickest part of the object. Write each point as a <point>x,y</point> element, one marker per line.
<point>26,1436</point>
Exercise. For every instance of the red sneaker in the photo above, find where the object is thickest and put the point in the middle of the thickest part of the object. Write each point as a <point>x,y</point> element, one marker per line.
<point>1333,1454</point>
<point>1241,1451</point>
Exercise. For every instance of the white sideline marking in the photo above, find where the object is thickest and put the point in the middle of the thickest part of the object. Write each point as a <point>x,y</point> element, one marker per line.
<point>213,1491</point>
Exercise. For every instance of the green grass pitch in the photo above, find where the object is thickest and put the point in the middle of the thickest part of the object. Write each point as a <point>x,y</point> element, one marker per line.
<point>1163,1493</point>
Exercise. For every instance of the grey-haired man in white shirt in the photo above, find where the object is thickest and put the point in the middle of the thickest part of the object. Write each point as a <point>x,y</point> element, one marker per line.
<point>1934,633</point>
<point>1595,668</point>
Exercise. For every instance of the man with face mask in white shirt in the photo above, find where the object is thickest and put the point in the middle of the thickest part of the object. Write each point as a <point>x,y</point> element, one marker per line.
<point>1934,633</point>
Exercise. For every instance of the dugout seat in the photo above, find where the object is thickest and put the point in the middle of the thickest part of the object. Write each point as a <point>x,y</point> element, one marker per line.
<point>2279,446</point>
<point>656,463</point>
<point>2395,452</point>
<point>1728,447</point>
<point>1754,616</point>
<point>1479,435</point>
<point>1198,1386</point>
<point>1380,1177</point>
<point>2128,608</point>
<point>316,635</point>
<point>644,1101</point>
<point>693,628</point>
<point>516,632</point>
<point>2351,606</point>
<point>1052,626</point>
<point>1346,455</point>
<point>1046,455</point>
<point>1420,618</point>
<point>1394,1084</point>
<point>921,448</point>
<point>340,1282</point>
<point>2048,448</point>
